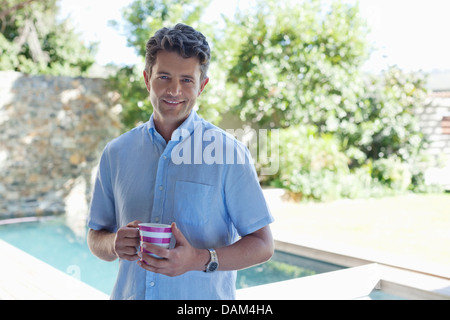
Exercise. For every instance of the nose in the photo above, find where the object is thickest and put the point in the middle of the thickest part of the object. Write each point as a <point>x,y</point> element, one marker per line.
<point>174,89</point>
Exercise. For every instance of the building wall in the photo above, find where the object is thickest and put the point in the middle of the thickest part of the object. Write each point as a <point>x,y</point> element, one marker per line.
<point>52,132</point>
<point>434,119</point>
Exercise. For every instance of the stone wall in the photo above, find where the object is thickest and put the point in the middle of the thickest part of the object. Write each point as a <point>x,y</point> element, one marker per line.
<point>52,132</point>
<point>431,117</point>
<point>434,122</point>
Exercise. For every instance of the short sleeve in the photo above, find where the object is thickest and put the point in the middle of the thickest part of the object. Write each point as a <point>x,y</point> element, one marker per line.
<point>102,210</point>
<point>244,198</point>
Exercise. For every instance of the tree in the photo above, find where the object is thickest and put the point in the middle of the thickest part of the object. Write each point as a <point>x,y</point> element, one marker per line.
<point>296,62</point>
<point>296,66</point>
<point>384,123</point>
<point>144,17</point>
<point>34,42</point>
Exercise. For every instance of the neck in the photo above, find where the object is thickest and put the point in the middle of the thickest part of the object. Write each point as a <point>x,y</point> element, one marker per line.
<point>166,126</point>
<point>165,130</point>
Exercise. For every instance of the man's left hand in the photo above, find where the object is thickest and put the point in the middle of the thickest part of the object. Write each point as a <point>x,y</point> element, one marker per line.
<point>174,262</point>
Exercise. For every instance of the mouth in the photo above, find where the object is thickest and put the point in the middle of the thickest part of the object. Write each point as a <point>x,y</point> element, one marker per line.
<point>172,103</point>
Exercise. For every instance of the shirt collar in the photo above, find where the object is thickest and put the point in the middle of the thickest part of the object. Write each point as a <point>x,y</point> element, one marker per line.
<point>182,132</point>
<point>151,128</point>
<point>186,129</point>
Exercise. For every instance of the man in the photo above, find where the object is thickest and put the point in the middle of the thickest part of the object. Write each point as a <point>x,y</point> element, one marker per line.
<point>166,171</point>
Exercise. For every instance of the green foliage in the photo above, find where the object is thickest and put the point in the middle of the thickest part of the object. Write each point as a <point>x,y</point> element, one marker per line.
<point>312,166</point>
<point>34,42</point>
<point>376,149</point>
<point>384,131</point>
<point>296,66</point>
<point>144,17</point>
<point>392,172</point>
<point>384,123</point>
<point>295,62</point>
<point>136,106</point>
<point>309,163</point>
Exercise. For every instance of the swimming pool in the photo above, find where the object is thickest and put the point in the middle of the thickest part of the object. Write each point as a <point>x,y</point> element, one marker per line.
<point>53,242</point>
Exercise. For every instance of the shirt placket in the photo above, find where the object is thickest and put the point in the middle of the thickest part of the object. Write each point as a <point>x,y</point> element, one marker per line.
<point>160,189</point>
<point>150,285</point>
<point>151,281</point>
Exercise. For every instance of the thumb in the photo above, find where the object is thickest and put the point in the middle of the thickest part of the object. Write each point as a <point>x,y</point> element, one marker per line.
<point>134,224</point>
<point>178,235</point>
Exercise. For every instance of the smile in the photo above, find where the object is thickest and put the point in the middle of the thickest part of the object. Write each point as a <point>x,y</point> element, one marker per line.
<point>172,102</point>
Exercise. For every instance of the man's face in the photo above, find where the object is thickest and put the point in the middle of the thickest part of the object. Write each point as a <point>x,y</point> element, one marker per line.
<point>174,85</point>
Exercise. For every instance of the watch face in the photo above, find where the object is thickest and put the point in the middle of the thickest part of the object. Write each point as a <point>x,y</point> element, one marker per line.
<point>213,266</point>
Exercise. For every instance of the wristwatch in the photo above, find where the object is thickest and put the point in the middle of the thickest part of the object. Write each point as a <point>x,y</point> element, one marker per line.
<point>213,263</point>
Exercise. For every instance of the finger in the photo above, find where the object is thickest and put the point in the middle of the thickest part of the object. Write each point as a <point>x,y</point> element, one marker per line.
<point>132,233</point>
<point>145,265</point>
<point>162,266</point>
<point>178,235</point>
<point>130,242</point>
<point>159,251</point>
<point>127,232</point>
<point>128,253</point>
<point>129,250</point>
<point>128,257</point>
<point>150,260</point>
<point>124,245</point>
<point>134,224</point>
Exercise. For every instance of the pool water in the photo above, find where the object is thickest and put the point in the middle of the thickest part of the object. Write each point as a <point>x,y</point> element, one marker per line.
<point>56,244</point>
<point>53,242</point>
<point>282,266</point>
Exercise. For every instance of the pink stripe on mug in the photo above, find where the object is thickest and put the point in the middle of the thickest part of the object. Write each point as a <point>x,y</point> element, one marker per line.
<point>155,240</point>
<point>146,251</point>
<point>154,228</point>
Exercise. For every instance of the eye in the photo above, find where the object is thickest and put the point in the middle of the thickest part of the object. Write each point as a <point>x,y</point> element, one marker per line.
<point>186,80</point>
<point>164,77</point>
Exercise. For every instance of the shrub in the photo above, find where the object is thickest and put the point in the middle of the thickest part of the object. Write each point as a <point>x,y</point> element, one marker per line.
<point>392,172</point>
<point>309,163</point>
<point>313,167</point>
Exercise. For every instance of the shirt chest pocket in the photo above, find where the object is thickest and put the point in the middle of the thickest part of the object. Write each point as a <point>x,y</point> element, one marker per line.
<point>192,203</point>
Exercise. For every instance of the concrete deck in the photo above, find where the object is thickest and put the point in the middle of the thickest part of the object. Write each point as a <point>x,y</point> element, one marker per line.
<point>363,275</point>
<point>353,283</point>
<point>23,277</point>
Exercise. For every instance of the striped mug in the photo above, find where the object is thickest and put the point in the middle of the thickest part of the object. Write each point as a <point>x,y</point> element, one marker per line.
<point>155,233</point>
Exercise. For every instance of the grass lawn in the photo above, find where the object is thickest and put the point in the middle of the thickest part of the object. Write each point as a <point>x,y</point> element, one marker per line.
<point>416,226</point>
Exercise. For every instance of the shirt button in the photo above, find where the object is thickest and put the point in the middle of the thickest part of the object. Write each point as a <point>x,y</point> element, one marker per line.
<point>156,219</point>
<point>152,284</point>
<point>164,157</point>
<point>161,188</point>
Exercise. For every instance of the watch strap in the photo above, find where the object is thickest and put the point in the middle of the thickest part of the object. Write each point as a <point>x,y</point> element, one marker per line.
<point>213,263</point>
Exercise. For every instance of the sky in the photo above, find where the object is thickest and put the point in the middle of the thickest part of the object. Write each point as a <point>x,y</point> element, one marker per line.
<point>412,34</point>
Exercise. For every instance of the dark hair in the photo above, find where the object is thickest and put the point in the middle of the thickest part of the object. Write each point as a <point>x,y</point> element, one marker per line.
<point>182,39</point>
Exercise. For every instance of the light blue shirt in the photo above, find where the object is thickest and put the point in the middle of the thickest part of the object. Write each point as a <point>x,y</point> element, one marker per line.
<point>203,179</point>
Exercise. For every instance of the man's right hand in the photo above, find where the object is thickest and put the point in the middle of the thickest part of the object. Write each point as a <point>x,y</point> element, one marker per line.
<point>127,241</point>
<point>110,246</point>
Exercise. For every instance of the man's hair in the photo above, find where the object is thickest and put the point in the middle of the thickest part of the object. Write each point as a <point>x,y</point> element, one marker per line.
<point>184,40</point>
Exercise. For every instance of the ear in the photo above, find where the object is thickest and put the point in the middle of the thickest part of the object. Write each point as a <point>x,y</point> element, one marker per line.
<point>147,80</point>
<point>202,86</point>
